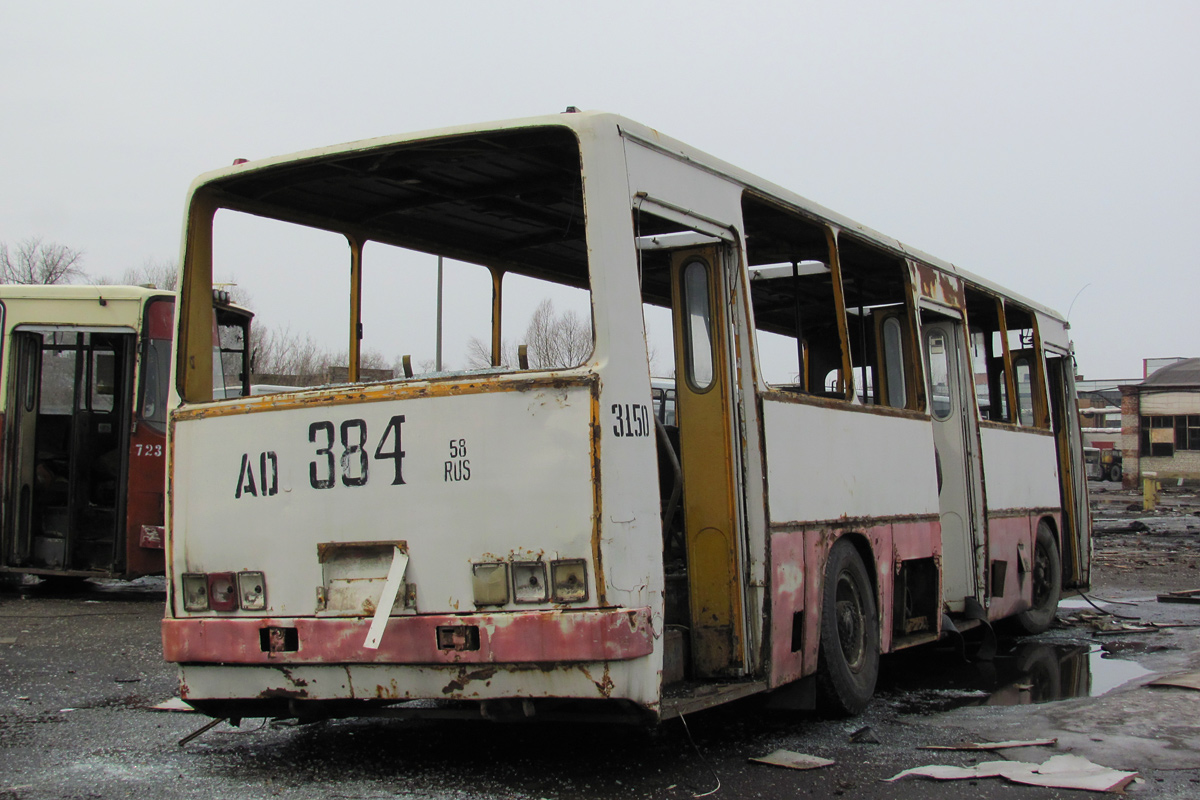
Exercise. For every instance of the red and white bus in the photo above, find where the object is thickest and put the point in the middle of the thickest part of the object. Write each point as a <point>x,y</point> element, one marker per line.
<point>869,447</point>
<point>83,393</point>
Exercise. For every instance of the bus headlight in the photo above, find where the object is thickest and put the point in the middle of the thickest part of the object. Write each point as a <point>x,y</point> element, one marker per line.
<point>490,582</point>
<point>568,578</point>
<point>195,592</point>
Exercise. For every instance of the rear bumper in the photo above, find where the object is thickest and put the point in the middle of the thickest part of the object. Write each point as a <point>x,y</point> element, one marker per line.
<point>536,637</point>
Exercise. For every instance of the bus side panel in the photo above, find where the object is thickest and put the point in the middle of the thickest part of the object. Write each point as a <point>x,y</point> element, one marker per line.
<point>1010,542</point>
<point>829,464</point>
<point>788,602</point>
<point>1021,469</point>
<point>825,482</point>
<point>144,503</point>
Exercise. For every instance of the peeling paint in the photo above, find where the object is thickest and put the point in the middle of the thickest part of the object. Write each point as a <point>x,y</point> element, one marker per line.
<point>460,683</point>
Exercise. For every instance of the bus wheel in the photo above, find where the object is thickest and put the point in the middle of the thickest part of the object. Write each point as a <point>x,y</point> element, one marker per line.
<point>1114,472</point>
<point>848,663</point>
<point>1047,583</point>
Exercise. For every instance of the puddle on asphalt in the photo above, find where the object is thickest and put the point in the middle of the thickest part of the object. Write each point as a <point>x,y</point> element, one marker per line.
<point>938,680</point>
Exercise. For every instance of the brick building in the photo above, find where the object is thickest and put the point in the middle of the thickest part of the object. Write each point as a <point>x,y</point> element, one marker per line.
<point>1160,424</point>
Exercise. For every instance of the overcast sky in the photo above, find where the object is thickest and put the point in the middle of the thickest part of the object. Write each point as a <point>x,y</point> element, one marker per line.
<point>1053,147</point>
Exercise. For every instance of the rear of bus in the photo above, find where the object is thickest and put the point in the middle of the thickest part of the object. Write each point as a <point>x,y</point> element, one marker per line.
<point>429,514</point>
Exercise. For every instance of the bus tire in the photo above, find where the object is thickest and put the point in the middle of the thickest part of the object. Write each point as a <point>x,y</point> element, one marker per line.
<point>1047,583</point>
<point>1114,473</point>
<point>848,659</point>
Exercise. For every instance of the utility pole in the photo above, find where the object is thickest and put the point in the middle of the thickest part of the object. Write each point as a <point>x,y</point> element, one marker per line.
<point>437,357</point>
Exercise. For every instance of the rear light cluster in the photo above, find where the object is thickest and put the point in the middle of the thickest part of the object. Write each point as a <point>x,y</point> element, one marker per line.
<point>224,591</point>
<point>567,582</point>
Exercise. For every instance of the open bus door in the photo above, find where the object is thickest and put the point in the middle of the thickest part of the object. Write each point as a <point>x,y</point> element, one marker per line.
<point>709,463</point>
<point>71,417</point>
<point>21,458</point>
<point>1072,476</point>
<point>956,446</point>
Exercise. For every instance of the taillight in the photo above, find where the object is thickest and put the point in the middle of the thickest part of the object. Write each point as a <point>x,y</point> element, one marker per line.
<point>490,583</point>
<point>567,582</point>
<point>252,591</point>
<point>222,594</point>
<point>195,592</point>
<point>568,578</point>
<point>529,581</point>
<point>224,591</point>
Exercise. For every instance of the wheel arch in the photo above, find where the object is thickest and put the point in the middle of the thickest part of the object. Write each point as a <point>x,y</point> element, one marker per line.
<point>1055,530</point>
<point>863,546</point>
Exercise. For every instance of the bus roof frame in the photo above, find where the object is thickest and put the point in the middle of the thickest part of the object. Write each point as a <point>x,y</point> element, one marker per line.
<point>588,125</point>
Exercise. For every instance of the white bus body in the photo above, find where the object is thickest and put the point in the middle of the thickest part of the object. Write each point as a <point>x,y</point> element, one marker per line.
<point>538,539</point>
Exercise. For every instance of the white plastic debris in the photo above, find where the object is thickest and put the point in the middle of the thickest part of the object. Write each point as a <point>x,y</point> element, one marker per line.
<point>792,760</point>
<point>1058,772</point>
<point>992,745</point>
<point>174,704</point>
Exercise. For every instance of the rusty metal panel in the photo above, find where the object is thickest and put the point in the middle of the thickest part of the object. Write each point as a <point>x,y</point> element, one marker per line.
<point>938,287</point>
<point>502,638</point>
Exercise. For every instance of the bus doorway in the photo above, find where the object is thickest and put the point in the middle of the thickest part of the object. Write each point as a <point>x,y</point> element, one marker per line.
<point>71,402</point>
<point>955,438</point>
<point>709,463</point>
<point>1068,442</point>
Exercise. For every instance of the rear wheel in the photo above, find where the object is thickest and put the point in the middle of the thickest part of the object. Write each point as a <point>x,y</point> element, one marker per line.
<point>1047,583</point>
<point>848,664</point>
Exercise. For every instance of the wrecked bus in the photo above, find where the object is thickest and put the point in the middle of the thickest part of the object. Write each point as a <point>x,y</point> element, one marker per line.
<point>83,410</point>
<point>528,538</point>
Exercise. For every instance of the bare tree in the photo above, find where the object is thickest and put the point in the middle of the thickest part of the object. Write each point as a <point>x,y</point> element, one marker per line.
<point>36,262</point>
<point>282,357</point>
<point>551,341</point>
<point>159,273</point>
<point>479,354</point>
<point>554,340</point>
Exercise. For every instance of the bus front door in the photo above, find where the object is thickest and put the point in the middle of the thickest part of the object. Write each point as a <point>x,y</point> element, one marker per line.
<point>72,402</point>
<point>709,461</point>
<point>955,439</point>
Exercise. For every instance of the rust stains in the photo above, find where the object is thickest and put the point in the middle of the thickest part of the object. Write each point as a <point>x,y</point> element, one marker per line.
<point>605,685</point>
<point>938,286</point>
<point>287,673</point>
<point>465,677</point>
<point>343,394</point>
